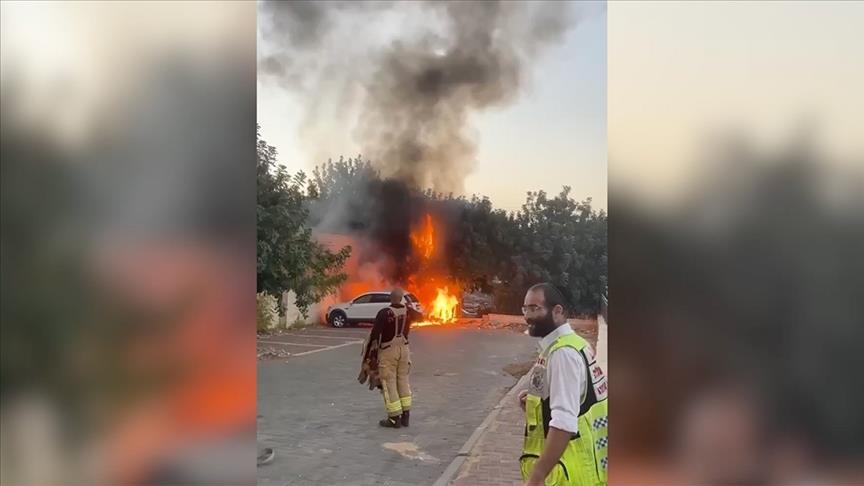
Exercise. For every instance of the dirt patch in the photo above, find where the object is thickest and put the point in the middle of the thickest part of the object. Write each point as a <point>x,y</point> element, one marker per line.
<point>518,370</point>
<point>587,328</point>
<point>271,352</point>
<point>504,321</point>
<point>410,450</point>
<point>492,321</point>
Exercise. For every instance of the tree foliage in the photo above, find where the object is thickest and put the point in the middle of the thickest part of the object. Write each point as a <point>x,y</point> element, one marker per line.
<point>557,239</point>
<point>289,259</point>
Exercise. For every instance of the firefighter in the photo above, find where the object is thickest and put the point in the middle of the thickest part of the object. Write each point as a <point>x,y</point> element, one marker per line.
<point>566,402</point>
<point>390,337</point>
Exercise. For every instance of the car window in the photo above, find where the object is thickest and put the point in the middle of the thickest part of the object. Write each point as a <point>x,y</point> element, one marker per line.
<point>380,298</point>
<point>363,299</point>
<point>411,298</point>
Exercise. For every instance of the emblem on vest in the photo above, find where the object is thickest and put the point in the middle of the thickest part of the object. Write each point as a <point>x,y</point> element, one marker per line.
<point>537,380</point>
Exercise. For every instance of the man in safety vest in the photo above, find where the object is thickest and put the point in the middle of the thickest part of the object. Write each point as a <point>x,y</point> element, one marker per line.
<point>566,401</point>
<point>390,332</point>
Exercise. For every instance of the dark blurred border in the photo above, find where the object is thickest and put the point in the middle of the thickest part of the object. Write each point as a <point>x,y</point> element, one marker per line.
<point>735,287</point>
<point>128,243</point>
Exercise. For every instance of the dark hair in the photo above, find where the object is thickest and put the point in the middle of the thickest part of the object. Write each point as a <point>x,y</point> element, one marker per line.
<point>552,295</point>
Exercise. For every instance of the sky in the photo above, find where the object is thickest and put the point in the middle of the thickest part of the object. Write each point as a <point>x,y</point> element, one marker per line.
<point>553,135</point>
<point>756,69</point>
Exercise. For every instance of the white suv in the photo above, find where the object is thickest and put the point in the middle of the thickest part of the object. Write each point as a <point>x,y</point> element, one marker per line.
<point>365,307</point>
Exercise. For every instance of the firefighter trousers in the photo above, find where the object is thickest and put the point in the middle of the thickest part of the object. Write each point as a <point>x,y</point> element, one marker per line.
<point>394,365</point>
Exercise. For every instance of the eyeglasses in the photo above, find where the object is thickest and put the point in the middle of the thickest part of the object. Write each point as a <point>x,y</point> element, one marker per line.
<point>531,308</point>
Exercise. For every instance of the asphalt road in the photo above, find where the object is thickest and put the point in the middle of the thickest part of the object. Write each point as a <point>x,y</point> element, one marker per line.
<point>323,424</point>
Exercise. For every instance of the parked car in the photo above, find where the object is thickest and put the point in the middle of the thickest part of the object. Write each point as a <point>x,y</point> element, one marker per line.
<point>478,309</point>
<point>477,305</point>
<point>365,307</point>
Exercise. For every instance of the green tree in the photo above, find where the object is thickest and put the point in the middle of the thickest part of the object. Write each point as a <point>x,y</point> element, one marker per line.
<point>345,175</point>
<point>481,244</point>
<point>554,239</point>
<point>288,257</point>
<point>563,241</point>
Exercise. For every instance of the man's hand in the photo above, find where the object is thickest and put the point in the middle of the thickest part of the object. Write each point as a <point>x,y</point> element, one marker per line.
<point>533,482</point>
<point>523,396</point>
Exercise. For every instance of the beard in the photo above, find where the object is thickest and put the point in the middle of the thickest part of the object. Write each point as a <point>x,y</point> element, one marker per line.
<point>541,326</point>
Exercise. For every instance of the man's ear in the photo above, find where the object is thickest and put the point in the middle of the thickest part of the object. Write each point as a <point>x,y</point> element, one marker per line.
<point>559,309</point>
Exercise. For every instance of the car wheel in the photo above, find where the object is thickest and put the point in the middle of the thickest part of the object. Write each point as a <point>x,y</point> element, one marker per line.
<point>338,319</point>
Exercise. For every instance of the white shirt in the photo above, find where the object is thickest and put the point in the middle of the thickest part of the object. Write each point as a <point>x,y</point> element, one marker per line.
<point>566,374</point>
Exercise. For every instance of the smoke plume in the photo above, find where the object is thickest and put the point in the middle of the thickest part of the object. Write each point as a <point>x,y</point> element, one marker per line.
<point>403,80</point>
<point>409,95</point>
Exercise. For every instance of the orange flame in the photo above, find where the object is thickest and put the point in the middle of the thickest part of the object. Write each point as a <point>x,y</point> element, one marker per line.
<point>442,310</point>
<point>437,292</point>
<point>444,306</point>
<point>424,238</point>
<point>433,290</point>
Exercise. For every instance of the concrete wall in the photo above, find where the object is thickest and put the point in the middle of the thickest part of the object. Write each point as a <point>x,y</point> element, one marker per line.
<point>292,313</point>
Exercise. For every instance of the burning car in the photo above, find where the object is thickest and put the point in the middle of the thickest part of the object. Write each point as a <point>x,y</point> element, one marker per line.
<point>366,306</point>
<point>424,273</point>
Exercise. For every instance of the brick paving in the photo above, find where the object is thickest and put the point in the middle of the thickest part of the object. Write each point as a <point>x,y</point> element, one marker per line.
<point>494,459</point>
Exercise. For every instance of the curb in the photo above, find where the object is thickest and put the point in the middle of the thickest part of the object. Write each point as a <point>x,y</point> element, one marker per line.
<point>448,474</point>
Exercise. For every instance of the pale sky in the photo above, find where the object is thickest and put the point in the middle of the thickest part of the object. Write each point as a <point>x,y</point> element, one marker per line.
<point>681,72</point>
<point>97,50</point>
<point>554,135</point>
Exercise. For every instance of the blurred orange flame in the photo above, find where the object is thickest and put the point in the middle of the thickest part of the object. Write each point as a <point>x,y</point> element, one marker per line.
<point>424,238</point>
<point>433,290</point>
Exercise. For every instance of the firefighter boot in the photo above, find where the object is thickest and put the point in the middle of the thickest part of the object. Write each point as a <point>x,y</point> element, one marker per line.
<point>405,415</point>
<point>391,422</point>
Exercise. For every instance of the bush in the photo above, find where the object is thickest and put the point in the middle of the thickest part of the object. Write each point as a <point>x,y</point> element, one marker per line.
<point>267,312</point>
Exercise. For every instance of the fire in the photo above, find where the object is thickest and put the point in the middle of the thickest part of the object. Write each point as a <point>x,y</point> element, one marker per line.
<point>443,308</point>
<point>438,293</point>
<point>439,299</point>
<point>424,238</point>
<point>433,290</point>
